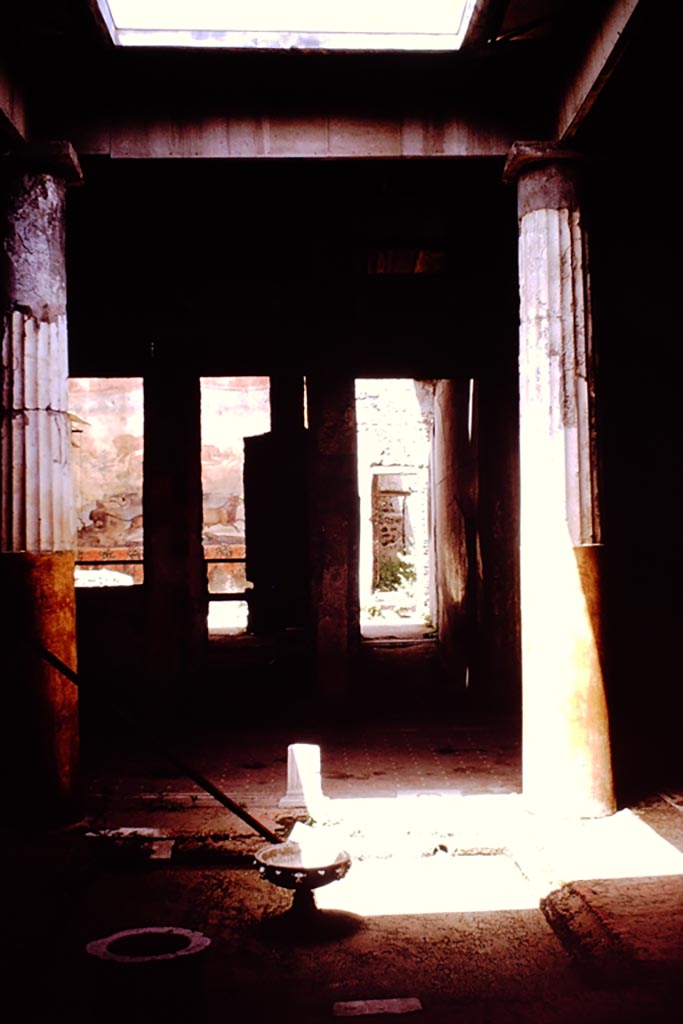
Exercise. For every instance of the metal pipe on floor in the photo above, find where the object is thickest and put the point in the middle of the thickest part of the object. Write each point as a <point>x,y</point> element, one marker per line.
<point>171,756</point>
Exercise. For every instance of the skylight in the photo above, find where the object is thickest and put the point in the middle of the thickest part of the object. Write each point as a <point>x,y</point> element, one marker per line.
<point>289,24</point>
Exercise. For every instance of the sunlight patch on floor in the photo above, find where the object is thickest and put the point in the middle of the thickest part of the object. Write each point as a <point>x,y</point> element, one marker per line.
<point>437,884</point>
<point>436,853</point>
<point>555,852</point>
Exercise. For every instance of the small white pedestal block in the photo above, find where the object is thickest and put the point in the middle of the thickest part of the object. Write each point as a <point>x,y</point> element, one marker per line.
<point>304,786</point>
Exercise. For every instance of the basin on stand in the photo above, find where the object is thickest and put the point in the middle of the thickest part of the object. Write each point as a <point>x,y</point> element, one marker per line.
<point>305,862</point>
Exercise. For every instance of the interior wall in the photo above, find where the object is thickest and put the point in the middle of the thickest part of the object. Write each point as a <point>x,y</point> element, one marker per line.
<point>454,468</point>
<point>231,261</point>
<point>476,516</point>
<point>636,272</point>
<point>220,268</point>
<point>499,679</point>
<point>635,227</point>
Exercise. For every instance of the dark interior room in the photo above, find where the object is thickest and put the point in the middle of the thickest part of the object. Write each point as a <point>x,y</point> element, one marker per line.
<point>339,422</point>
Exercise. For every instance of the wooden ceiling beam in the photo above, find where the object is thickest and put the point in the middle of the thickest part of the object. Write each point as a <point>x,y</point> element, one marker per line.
<point>595,65</point>
<point>487,17</point>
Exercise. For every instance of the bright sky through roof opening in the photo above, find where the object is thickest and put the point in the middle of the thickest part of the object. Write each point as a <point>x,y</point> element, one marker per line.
<point>342,24</point>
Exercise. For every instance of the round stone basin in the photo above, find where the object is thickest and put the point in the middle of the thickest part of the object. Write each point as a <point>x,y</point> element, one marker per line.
<point>293,867</point>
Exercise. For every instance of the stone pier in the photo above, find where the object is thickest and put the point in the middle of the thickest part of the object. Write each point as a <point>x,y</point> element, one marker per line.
<point>335,528</point>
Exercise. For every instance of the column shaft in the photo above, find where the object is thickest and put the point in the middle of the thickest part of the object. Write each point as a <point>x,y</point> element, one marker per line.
<point>566,745</point>
<point>36,510</point>
<point>37,526</point>
<point>37,513</point>
<point>556,401</point>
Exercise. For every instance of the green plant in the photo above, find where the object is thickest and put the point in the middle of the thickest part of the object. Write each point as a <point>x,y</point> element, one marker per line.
<point>394,573</point>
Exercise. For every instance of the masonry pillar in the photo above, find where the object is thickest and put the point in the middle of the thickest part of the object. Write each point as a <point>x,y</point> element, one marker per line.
<point>335,528</point>
<point>566,760</point>
<point>276,514</point>
<point>40,743</point>
<point>176,591</point>
<point>290,553</point>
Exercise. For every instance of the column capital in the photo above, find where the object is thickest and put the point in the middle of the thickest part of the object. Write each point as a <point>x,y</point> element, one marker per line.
<point>548,176</point>
<point>524,156</point>
<point>56,158</point>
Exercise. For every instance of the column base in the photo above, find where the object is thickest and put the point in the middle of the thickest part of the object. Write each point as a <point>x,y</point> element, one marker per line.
<point>40,750</point>
<point>567,764</point>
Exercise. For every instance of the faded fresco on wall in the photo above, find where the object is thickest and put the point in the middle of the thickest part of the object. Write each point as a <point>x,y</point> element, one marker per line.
<point>232,408</point>
<point>107,437</point>
<point>107,456</point>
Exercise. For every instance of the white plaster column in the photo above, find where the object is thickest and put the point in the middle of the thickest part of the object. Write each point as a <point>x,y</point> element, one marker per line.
<point>37,525</point>
<point>36,505</point>
<point>566,760</point>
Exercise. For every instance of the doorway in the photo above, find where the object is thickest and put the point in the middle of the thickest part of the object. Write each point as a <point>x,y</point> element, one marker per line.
<point>394,423</point>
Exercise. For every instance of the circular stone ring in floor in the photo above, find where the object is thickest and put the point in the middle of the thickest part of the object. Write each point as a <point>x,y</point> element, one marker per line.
<point>148,945</point>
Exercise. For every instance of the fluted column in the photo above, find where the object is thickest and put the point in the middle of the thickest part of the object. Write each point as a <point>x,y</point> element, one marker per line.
<point>36,508</point>
<point>566,745</point>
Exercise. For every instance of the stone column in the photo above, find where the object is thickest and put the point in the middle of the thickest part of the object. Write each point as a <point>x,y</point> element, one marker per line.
<point>566,763</point>
<point>37,527</point>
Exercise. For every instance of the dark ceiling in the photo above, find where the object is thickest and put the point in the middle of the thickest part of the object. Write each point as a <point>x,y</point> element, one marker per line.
<point>314,224</point>
<point>60,53</point>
